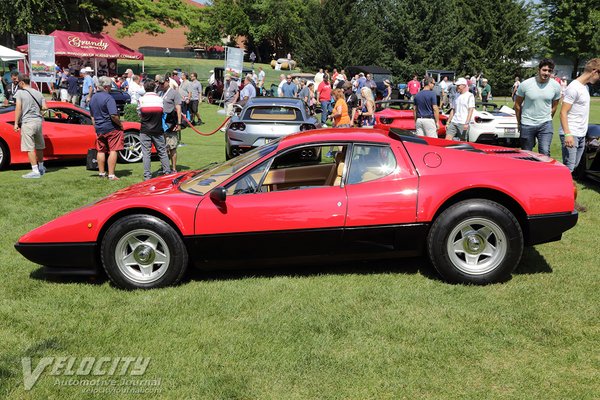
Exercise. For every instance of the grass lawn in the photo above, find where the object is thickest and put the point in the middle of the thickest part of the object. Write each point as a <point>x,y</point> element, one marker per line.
<point>161,65</point>
<point>380,330</point>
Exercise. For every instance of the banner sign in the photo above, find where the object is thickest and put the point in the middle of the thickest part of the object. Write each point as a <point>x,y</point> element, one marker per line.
<point>234,60</point>
<point>41,58</point>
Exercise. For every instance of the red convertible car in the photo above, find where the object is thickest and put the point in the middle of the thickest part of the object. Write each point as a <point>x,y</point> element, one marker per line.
<point>68,133</point>
<point>348,193</point>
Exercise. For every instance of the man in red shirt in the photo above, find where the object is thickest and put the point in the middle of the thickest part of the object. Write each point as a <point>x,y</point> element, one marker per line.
<point>414,86</point>
<point>324,94</point>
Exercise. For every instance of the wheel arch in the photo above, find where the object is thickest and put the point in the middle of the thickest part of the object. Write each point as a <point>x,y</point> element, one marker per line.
<point>488,194</point>
<point>133,211</point>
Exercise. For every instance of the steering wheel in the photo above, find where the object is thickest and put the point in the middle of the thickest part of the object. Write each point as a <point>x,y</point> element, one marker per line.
<point>249,185</point>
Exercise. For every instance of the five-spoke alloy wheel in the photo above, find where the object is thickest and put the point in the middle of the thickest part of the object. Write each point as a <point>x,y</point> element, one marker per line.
<point>143,252</point>
<point>475,241</point>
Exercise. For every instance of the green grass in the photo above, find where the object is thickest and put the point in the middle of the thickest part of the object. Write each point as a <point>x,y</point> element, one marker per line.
<point>161,65</point>
<point>358,331</point>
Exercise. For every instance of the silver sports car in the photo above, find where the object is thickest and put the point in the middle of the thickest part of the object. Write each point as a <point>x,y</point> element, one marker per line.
<point>264,119</point>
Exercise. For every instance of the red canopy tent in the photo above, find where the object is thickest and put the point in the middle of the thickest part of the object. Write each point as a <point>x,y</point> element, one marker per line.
<point>98,47</point>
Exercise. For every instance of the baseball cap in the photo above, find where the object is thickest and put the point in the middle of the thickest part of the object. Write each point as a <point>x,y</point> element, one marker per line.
<point>461,81</point>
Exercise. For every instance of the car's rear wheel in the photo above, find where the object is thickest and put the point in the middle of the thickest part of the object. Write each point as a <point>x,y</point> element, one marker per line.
<point>475,241</point>
<point>4,155</point>
<point>132,151</point>
<point>143,252</point>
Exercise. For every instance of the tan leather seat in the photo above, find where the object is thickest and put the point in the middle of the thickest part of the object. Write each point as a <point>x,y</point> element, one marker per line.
<point>335,176</point>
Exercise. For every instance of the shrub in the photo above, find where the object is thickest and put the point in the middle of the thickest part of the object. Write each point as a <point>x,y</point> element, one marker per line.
<point>130,113</point>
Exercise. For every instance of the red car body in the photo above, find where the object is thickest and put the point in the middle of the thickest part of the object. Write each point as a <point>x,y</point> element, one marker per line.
<point>404,119</point>
<point>68,133</point>
<point>271,206</point>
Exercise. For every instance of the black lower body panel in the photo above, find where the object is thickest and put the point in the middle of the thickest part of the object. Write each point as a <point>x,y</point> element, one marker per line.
<point>548,228</point>
<point>79,257</point>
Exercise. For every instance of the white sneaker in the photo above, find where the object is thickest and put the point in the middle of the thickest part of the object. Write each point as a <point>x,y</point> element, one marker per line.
<point>32,175</point>
<point>42,170</point>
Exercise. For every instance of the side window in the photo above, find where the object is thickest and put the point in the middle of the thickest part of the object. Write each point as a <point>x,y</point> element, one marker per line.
<point>249,182</point>
<point>370,162</point>
<point>305,167</point>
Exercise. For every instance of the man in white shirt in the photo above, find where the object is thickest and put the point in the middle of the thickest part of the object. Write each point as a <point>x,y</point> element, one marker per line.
<point>281,82</point>
<point>575,114</point>
<point>261,79</point>
<point>462,112</point>
<point>135,90</point>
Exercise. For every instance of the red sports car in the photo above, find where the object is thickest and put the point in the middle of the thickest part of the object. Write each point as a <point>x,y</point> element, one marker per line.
<point>68,133</point>
<point>399,117</point>
<point>347,193</point>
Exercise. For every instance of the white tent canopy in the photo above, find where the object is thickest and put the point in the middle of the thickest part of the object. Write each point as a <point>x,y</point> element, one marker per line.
<point>7,54</point>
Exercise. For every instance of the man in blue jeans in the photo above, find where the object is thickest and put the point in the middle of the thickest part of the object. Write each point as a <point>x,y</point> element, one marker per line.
<point>536,102</point>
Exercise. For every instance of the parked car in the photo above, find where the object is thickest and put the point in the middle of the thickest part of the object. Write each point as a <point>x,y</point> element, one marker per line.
<point>68,133</point>
<point>397,114</point>
<point>372,194</point>
<point>494,126</point>
<point>214,92</point>
<point>589,165</point>
<point>263,120</point>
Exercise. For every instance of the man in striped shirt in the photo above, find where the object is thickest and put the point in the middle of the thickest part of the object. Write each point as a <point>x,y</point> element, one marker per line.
<point>150,108</point>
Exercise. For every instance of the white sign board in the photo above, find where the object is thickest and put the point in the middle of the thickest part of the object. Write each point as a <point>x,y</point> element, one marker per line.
<point>41,58</point>
<point>234,60</point>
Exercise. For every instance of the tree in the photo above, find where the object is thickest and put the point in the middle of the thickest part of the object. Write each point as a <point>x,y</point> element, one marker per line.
<point>572,27</point>
<point>45,16</point>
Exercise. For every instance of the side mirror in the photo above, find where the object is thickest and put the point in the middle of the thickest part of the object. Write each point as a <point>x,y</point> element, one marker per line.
<point>218,194</point>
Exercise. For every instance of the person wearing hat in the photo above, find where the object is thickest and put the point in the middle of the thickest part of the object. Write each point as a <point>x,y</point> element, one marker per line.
<point>87,88</point>
<point>230,89</point>
<point>461,113</point>
<point>486,91</point>
<point>108,126</point>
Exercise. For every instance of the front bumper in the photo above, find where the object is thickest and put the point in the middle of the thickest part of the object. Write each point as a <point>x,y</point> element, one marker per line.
<point>78,257</point>
<point>548,228</point>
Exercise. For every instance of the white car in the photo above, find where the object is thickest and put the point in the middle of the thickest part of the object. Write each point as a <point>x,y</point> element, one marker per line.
<point>495,126</point>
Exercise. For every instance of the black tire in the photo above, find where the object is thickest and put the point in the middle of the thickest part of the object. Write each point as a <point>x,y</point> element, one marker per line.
<point>132,152</point>
<point>158,259</point>
<point>4,155</point>
<point>475,241</point>
<point>210,97</point>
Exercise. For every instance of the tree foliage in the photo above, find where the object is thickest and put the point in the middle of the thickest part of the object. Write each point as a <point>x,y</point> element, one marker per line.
<point>572,28</point>
<point>44,16</point>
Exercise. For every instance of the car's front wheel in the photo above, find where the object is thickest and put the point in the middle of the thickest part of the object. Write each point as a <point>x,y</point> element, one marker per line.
<point>132,150</point>
<point>4,155</point>
<point>475,241</point>
<point>143,252</point>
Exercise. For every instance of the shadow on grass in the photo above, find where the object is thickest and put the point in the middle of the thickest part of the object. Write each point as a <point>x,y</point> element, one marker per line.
<point>410,266</point>
<point>532,262</point>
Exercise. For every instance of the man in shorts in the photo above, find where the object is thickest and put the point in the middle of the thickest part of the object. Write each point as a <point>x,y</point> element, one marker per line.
<point>171,120</point>
<point>29,106</point>
<point>462,112</point>
<point>426,110</point>
<point>109,129</point>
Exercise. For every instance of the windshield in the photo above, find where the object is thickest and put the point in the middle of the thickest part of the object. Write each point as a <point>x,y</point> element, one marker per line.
<point>206,181</point>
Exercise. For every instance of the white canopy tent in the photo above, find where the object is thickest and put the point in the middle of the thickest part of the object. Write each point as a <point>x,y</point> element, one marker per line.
<point>7,54</point>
